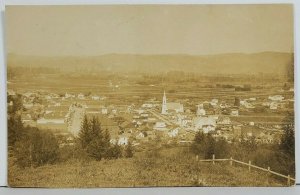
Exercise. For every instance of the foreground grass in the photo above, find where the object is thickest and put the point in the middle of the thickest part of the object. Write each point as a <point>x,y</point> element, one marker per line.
<point>141,171</point>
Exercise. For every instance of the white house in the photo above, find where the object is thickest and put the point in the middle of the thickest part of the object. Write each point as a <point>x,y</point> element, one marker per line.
<point>205,123</point>
<point>273,105</point>
<point>81,96</point>
<point>160,126</point>
<point>276,98</point>
<point>173,132</point>
<point>234,112</point>
<point>200,111</point>
<point>123,141</point>
<point>95,97</point>
<point>104,110</point>
<point>147,105</point>
<point>214,102</point>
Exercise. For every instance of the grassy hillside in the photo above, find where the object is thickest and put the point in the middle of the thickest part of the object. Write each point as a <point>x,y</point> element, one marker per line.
<point>141,171</point>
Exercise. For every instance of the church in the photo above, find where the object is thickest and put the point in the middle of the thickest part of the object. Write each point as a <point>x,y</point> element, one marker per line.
<point>171,106</point>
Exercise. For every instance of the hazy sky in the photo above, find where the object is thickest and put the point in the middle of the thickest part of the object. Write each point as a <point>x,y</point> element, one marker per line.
<point>148,29</point>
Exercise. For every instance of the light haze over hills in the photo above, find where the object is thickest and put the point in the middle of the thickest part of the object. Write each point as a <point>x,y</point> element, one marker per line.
<point>230,63</point>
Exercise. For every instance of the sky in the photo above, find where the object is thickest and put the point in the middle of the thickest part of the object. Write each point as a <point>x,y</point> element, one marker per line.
<point>148,29</point>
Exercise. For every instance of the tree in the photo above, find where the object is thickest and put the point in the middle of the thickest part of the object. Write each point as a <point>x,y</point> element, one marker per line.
<point>93,140</point>
<point>85,136</point>
<point>288,138</point>
<point>129,150</point>
<point>36,148</point>
<point>115,151</point>
<point>14,122</point>
<point>197,146</point>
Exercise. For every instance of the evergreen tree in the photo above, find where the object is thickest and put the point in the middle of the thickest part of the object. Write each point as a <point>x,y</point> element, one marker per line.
<point>115,152</point>
<point>106,143</point>
<point>129,150</point>
<point>197,146</point>
<point>85,134</point>
<point>96,147</point>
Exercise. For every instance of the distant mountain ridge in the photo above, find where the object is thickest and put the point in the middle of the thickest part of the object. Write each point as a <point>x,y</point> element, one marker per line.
<point>229,63</point>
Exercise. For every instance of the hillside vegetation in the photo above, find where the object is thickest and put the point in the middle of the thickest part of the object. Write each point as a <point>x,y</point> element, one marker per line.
<point>169,167</point>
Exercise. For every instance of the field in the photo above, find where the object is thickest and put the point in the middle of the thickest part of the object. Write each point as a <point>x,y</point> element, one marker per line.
<point>167,168</point>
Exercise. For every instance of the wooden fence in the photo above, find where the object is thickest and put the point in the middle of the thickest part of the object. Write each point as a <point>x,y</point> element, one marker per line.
<point>250,165</point>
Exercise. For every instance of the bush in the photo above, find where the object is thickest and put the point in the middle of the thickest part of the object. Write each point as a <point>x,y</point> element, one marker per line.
<point>36,148</point>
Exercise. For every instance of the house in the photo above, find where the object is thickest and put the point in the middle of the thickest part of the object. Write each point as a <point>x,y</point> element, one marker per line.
<point>123,140</point>
<point>173,132</point>
<point>234,112</point>
<point>248,105</point>
<point>11,92</point>
<point>160,126</point>
<point>113,141</point>
<point>223,120</point>
<point>200,111</point>
<point>114,111</point>
<point>147,105</point>
<point>140,135</point>
<point>273,105</point>
<point>205,123</point>
<point>214,102</point>
<point>104,110</point>
<point>81,96</point>
<point>276,98</point>
<point>95,97</point>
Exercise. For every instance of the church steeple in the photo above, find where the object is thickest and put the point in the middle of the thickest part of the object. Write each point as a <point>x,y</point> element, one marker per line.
<point>164,104</point>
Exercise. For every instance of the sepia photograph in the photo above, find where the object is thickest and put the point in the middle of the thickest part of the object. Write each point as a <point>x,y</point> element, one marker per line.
<point>111,96</point>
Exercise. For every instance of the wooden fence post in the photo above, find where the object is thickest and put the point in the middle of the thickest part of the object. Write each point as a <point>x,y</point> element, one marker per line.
<point>268,174</point>
<point>213,159</point>
<point>231,161</point>
<point>197,157</point>
<point>289,180</point>
<point>249,165</point>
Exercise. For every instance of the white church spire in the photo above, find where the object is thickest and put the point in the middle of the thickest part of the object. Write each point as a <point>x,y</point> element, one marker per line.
<point>164,104</point>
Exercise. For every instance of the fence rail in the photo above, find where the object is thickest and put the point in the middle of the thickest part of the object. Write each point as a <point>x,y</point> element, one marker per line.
<point>250,165</point>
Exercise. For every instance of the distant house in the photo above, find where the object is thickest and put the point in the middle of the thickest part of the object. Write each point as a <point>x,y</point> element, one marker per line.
<point>140,135</point>
<point>95,97</point>
<point>205,123</point>
<point>276,98</point>
<point>234,112</point>
<point>113,141</point>
<point>222,120</point>
<point>248,105</point>
<point>273,105</point>
<point>114,111</point>
<point>200,111</point>
<point>11,92</point>
<point>28,105</point>
<point>160,126</point>
<point>173,132</point>
<point>175,106</point>
<point>147,105</point>
<point>104,110</point>
<point>81,96</point>
<point>214,102</point>
<point>123,140</point>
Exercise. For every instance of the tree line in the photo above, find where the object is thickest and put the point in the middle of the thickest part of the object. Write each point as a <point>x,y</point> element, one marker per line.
<point>32,147</point>
<point>279,156</point>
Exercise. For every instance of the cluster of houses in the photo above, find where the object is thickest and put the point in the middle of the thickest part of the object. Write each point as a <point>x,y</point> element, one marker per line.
<point>151,119</point>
